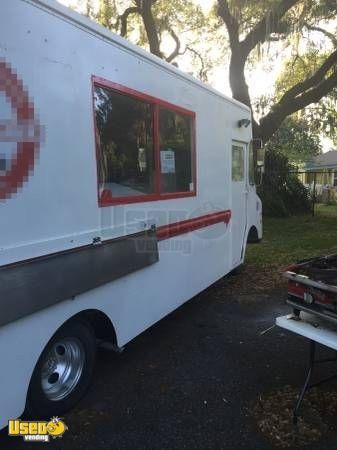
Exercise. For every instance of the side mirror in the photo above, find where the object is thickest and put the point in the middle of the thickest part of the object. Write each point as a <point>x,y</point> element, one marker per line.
<point>259,157</point>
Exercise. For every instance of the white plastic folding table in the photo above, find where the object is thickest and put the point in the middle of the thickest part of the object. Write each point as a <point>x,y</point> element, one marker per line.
<point>317,331</point>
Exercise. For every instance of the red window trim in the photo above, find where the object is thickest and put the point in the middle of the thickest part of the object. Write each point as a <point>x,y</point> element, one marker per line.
<point>106,198</point>
<point>186,226</point>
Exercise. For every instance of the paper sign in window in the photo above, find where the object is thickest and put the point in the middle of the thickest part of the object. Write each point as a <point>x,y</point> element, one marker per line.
<point>167,161</point>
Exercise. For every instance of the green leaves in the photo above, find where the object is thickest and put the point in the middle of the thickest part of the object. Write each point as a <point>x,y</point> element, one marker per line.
<point>296,139</point>
<point>281,192</point>
<point>320,118</point>
<point>244,31</point>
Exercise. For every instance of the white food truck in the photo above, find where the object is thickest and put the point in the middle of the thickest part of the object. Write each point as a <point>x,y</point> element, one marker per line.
<point>126,188</point>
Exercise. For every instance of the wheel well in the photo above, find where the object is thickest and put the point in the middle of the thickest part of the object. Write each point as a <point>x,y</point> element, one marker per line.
<point>253,235</point>
<point>100,322</point>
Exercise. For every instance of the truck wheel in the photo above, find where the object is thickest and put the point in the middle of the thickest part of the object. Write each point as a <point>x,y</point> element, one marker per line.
<point>63,372</point>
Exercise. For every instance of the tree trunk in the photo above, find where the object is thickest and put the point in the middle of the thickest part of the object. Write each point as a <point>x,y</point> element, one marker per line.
<point>237,78</point>
<point>302,94</point>
<point>238,83</point>
<point>267,127</point>
<point>150,27</point>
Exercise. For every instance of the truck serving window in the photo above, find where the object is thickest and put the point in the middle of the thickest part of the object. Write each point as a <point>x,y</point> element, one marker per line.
<point>145,147</point>
<point>175,151</point>
<point>125,143</point>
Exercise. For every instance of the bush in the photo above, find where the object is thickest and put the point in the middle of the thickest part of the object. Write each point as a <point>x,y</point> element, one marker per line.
<point>281,191</point>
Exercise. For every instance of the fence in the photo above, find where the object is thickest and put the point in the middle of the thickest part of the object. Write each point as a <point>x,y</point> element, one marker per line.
<point>321,185</point>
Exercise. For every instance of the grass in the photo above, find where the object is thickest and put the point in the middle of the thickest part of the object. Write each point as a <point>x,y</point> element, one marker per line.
<point>285,240</point>
<point>288,240</point>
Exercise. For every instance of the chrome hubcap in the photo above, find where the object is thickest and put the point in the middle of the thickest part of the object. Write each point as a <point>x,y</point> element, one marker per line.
<point>62,368</point>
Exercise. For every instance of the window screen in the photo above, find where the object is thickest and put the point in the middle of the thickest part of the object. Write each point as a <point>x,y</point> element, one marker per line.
<point>238,165</point>
<point>145,146</point>
<point>125,144</point>
<point>175,131</point>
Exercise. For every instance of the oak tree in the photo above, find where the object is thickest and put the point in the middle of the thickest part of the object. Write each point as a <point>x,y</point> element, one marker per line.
<point>251,23</point>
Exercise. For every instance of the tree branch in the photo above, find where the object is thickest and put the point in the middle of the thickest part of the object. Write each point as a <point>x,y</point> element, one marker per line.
<point>145,7</point>
<point>268,25</point>
<point>176,51</point>
<point>203,70</point>
<point>123,19</point>
<point>271,122</point>
<point>309,91</point>
<point>240,50</point>
<point>316,93</point>
<point>313,80</point>
<point>231,23</point>
<point>326,33</point>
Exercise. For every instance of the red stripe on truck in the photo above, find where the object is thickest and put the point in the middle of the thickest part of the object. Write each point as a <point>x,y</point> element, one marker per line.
<point>186,226</point>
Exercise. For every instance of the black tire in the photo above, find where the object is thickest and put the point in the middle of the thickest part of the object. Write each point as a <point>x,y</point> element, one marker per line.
<point>237,270</point>
<point>42,403</point>
<point>297,312</point>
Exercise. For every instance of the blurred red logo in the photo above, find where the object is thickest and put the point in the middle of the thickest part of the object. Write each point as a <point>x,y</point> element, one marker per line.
<point>20,134</point>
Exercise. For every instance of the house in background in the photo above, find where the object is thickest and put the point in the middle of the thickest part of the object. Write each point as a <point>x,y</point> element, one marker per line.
<point>323,167</point>
<point>320,175</point>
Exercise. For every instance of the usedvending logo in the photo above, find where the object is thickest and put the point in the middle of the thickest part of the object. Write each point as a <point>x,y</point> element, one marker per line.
<point>37,431</point>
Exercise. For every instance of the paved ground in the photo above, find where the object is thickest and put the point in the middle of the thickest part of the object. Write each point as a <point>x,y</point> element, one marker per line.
<point>189,382</point>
